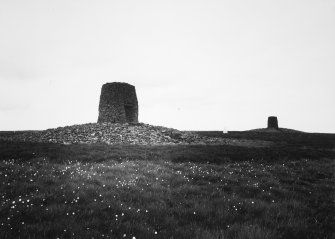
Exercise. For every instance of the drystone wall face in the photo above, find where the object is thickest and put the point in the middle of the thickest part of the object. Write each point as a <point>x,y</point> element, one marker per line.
<point>118,103</point>
<point>272,122</point>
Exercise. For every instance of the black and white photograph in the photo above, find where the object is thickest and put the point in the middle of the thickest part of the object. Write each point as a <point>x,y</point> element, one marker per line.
<point>167,119</point>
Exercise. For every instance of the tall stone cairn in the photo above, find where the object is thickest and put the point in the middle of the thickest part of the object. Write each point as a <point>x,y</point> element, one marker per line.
<point>118,103</point>
<point>272,122</point>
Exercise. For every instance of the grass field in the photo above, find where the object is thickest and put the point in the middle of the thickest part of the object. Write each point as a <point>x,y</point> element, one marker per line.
<point>101,191</point>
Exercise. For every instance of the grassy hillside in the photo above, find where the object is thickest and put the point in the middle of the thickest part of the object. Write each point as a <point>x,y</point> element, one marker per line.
<point>285,137</point>
<point>120,191</point>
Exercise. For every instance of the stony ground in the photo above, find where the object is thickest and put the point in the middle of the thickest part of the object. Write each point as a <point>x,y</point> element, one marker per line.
<point>139,134</point>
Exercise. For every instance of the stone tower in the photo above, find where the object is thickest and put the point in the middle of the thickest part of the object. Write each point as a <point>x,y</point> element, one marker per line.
<point>272,122</point>
<point>118,103</point>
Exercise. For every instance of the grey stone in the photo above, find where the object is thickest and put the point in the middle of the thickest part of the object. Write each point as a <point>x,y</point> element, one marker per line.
<point>272,122</point>
<point>118,103</point>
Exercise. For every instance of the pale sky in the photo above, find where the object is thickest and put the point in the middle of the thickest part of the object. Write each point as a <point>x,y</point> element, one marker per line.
<point>196,64</point>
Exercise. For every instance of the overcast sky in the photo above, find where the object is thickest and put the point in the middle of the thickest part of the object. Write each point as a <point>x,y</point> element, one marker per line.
<point>196,64</point>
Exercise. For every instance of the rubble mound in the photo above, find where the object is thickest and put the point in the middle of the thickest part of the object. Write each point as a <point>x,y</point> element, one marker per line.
<point>113,133</point>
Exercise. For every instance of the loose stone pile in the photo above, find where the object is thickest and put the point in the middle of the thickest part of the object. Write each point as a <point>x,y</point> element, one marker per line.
<point>113,133</point>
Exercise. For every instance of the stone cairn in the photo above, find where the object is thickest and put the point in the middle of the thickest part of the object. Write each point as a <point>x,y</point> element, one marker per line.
<point>118,103</point>
<point>272,122</point>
